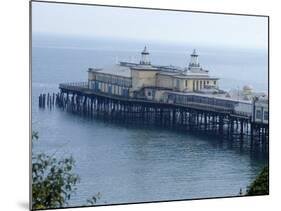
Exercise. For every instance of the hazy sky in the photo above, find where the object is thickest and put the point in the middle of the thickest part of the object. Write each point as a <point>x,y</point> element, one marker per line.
<point>150,25</point>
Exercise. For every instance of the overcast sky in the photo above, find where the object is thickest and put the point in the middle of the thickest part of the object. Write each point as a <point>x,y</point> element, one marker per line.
<point>150,25</point>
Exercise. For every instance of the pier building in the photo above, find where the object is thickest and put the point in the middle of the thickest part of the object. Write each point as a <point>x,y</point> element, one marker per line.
<point>150,81</point>
<point>260,110</point>
<point>176,85</point>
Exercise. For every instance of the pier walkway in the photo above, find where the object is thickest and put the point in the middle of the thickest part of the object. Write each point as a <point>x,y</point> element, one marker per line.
<point>82,88</point>
<point>219,120</point>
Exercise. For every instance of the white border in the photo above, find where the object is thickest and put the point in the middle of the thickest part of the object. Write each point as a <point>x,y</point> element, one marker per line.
<point>14,84</point>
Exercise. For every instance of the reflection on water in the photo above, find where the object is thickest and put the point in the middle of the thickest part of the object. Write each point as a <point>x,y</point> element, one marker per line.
<point>133,164</point>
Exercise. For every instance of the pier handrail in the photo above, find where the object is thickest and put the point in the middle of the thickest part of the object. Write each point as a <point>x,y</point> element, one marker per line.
<point>83,87</point>
<point>74,84</point>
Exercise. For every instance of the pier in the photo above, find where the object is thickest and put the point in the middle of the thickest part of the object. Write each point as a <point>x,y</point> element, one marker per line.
<point>186,99</point>
<point>219,121</point>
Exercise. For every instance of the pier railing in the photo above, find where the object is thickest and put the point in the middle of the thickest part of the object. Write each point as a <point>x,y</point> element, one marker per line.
<point>77,86</point>
<point>84,88</point>
<point>74,84</point>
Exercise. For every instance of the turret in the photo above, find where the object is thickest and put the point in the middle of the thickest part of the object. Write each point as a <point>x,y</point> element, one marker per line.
<point>145,57</point>
<point>194,61</point>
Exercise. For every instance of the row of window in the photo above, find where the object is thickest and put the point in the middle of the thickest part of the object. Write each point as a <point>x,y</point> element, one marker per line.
<point>109,88</point>
<point>184,99</point>
<point>114,80</point>
<point>197,85</point>
<point>260,116</point>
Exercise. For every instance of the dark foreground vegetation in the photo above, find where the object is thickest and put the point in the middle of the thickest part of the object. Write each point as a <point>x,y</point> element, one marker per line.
<point>260,186</point>
<point>53,180</point>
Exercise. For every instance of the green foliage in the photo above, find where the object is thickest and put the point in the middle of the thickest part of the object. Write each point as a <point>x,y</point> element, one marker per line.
<point>260,186</point>
<point>53,181</point>
<point>94,199</point>
<point>34,135</point>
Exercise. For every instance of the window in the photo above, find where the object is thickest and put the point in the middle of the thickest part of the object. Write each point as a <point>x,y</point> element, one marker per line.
<point>186,83</point>
<point>177,83</point>
<point>258,114</point>
<point>215,82</point>
<point>265,115</point>
<point>109,89</point>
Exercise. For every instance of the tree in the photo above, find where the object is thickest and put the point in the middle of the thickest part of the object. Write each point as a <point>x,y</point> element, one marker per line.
<point>53,181</point>
<point>260,186</point>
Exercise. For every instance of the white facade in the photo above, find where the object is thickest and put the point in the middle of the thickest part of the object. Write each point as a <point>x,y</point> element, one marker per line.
<point>260,111</point>
<point>160,83</point>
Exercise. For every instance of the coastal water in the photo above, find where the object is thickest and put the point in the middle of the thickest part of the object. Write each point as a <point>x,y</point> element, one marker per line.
<point>134,163</point>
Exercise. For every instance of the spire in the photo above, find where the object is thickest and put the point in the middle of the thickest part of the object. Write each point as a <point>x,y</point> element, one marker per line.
<point>194,61</point>
<point>145,57</point>
<point>194,53</point>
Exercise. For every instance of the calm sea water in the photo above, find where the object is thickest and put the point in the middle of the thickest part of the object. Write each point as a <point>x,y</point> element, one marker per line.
<point>128,163</point>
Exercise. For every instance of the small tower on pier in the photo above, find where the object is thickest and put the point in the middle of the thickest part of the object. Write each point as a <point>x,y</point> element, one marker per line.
<point>194,60</point>
<point>145,57</point>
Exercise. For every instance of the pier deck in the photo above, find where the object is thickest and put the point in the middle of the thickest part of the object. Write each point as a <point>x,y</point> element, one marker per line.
<point>82,88</point>
<point>217,120</point>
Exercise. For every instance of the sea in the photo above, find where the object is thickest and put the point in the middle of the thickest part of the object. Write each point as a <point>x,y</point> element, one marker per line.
<point>134,163</point>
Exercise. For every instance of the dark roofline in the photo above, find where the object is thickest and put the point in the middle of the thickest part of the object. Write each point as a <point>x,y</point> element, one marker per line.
<point>114,75</point>
<point>145,69</point>
<point>90,69</point>
<point>195,78</point>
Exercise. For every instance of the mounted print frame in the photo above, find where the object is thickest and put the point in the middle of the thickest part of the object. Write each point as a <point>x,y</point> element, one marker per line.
<point>138,105</point>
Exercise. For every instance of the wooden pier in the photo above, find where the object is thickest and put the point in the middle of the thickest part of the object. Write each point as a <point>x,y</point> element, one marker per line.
<point>213,120</point>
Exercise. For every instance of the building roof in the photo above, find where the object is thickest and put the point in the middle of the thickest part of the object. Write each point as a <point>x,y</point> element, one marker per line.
<point>117,70</point>
<point>169,68</point>
<point>145,67</point>
<point>123,69</point>
<point>187,75</point>
<point>210,95</point>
